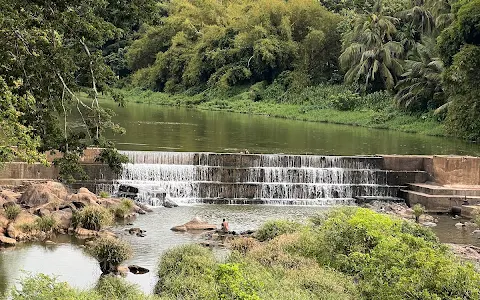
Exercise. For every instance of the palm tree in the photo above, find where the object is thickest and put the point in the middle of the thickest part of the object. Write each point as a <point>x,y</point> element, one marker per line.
<point>421,85</point>
<point>370,55</point>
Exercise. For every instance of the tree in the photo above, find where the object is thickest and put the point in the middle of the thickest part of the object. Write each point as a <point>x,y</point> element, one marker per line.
<point>371,56</point>
<point>420,87</point>
<point>459,45</point>
<point>50,51</point>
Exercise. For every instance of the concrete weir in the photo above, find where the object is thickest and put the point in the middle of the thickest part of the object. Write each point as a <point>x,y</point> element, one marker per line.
<point>234,178</point>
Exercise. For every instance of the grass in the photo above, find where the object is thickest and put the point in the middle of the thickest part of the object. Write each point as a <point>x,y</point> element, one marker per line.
<point>12,211</point>
<point>315,104</point>
<point>92,217</point>
<point>110,253</point>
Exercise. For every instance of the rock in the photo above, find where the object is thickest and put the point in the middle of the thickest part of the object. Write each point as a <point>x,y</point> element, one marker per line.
<point>9,196</point>
<point>25,218</point>
<point>90,243</point>
<point>39,194</point>
<point>137,269</point>
<point>82,232</point>
<point>429,224</point>
<point>83,198</point>
<point>42,212</point>
<point>63,217</point>
<point>459,225</point>
<point>141,206</point>
<point>195,224</point>
<point>48,242</point>
<point>6,241</point>
<point>468,252</point>
<point>12,231</point>
<point>470,224</point>
<point>169,203</point>
<point>3,221</point>
<point>135,231</point>
<point>141,234</point>
<point>122,270</point>
<point>107,233</point>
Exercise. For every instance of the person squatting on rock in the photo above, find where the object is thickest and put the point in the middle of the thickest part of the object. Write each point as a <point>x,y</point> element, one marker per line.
<point>225,227</point>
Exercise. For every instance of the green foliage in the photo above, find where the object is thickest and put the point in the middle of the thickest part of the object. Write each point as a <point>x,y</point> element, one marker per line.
<point>420,88</point>
<point>123,208</point>
<point>187,272</point>
<point>92,217</point>
<point>110,253</point>
<point>103,194</point>
<point>46,223</point>
<point>274,228</point>
<point>69,167</point>
<point>418,210</point>
<point>113,158</point>
<point>226,44</point>
<point>44,287</point>
<point>111,287</point>
<point>370,54</point>
<point>386,254</point>
<point>345,101</point>
<point>12,211</point>
<point>233,284</point>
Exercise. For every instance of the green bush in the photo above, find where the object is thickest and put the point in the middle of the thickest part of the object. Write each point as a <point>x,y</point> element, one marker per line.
<point>113,158</point>
<point>46,223</point>
<point>92,217</point>
<point>187,272</point>
<point>388,254</point>
<point>123,208</point>
<point>116,288</point>
<point>103,194</point>
<point>344,101</point>
<point>271,229</point>
<point>43,287</point>
<point>418,210</point>
<point>12,211</point>
<point>110,253</point>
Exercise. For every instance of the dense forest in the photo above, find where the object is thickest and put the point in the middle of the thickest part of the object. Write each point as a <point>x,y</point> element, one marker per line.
<point>419,57</point>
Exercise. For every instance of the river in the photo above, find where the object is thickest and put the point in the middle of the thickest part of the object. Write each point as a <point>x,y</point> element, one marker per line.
<point>163,128</point>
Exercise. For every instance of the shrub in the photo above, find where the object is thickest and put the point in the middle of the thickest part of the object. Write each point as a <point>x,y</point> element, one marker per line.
<point>388,254</point>
<point>116,288</point>
<point>243,244</point>
<point>46,223</point>
<point>12,211</point>
<point>418,210</point>
<point>113,158</point>
<point>233,284</point>
<point>103,194</point>
<point>344,101</point>
<point>110,253</point>
<point>43,287</point>
<point>271,229</point>
<point>123,208</point>
<point>187,272</point>
<point>92,217</point>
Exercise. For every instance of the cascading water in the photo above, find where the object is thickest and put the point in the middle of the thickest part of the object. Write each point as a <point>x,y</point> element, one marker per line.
<point>255,178</point>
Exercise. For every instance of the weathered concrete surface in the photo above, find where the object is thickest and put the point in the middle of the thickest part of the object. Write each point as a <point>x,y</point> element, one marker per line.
<point>438,203</point>
<point>456,170</point>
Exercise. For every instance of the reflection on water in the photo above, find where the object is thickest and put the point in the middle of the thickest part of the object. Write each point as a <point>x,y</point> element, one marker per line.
<point>153,127</point>
<point>71,264</point>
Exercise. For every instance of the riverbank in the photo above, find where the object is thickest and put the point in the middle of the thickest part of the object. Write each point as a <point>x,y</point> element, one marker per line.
<point>326,104</point>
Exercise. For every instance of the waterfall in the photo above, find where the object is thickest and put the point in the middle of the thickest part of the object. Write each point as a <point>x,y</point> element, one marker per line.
<point>255,178</point>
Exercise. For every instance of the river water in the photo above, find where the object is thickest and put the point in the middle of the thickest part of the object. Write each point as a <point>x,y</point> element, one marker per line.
<point>161,128</point>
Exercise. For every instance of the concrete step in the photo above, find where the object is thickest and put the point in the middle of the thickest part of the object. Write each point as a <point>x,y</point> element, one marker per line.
<point>470,211</point>
<point>433,189</point>
<point>438,203</point>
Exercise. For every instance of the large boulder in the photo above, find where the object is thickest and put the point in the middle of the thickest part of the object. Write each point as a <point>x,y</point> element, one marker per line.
<point>42,193</point>
<point>84,233</point>
<point>24,218</point>
<point>83,198</point>
<point>195,224</point>
<point>6,241</point>
<point>63,217</point>
<point>13,232</point>
<point>9,196</point>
